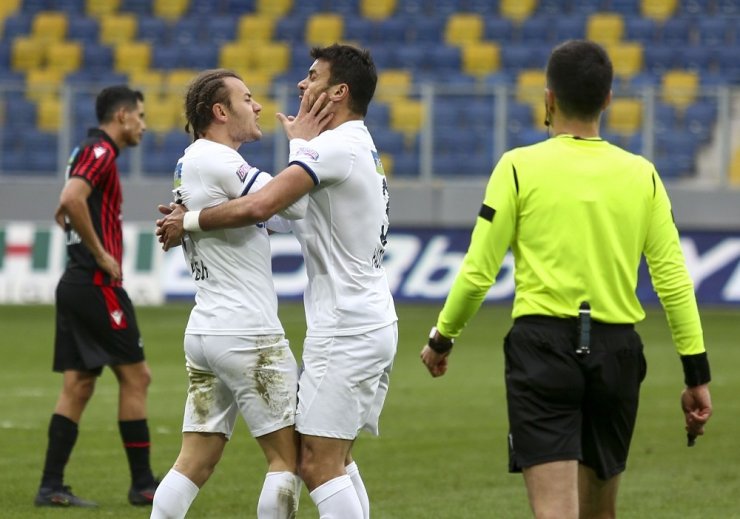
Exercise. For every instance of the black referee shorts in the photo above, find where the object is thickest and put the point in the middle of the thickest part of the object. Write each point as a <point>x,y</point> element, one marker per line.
<point>567,407</point>
<point>95,327</point>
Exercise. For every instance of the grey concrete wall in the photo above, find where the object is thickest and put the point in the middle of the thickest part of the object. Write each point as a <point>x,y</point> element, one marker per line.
<point>435,204</point>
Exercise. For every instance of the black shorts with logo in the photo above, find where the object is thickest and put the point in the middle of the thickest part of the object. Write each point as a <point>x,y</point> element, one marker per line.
<point>95,327</point>
<point>563,406</point>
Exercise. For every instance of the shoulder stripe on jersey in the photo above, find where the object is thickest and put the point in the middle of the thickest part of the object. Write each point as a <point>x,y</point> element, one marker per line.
<point>516,178</point>
<point>308,170</point>
<point>250,183</point>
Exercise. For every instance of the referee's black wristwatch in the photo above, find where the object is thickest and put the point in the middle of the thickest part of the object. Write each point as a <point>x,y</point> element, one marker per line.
<point>438,342</point>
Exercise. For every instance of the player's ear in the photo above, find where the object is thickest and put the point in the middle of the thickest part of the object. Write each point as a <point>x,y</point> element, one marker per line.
<point>339,92</point>
<point>219,112</point>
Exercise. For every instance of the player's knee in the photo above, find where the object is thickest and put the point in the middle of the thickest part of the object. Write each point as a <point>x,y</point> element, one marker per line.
<point>80,390</point>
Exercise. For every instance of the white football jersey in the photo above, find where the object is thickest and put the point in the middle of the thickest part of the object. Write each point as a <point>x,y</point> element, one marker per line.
<point>232,268</point>
<point>343,234</point>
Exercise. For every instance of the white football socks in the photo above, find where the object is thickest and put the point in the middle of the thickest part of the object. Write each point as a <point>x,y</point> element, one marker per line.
<point>174,496</point>
<point>279,497</point>
<point>337,499</point>
<point>354,473</point>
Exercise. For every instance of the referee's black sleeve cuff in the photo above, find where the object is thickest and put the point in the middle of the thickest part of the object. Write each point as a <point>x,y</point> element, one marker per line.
<point>696,369</point>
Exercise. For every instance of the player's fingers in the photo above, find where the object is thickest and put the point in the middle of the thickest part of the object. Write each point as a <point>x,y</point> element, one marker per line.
<point>165,209</point>
<point>318,105</point>
<point>282,118</point>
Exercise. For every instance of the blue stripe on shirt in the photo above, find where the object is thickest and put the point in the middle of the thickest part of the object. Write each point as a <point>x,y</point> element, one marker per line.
<point>308,170</point>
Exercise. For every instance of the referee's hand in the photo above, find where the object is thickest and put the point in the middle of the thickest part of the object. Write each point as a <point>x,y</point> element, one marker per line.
<point>435,362</point>
<point>696,404</point>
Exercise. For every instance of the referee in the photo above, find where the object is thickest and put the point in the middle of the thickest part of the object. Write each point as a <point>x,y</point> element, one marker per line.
<point>578,214</point>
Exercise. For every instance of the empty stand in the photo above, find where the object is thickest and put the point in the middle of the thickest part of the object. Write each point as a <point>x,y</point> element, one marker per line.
<point>605,28</point>
<point>463,28</point>
<point>324,29</point>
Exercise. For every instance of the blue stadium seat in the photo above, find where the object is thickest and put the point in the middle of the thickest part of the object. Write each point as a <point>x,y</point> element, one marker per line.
<point>696,57</point>
<point>517,57</point>
<point>729,64</point>
<point>528,136</point>
<point>444,58</point>
<point>21,113</point>
<point>97,57</point>
<point>188,30</point>
<point>699,118</point>
<point>71,7</point>
<point>167,57</point>
<point>378,115</point>
<point>413,56</point>
<point>142,8</point>
<point>426,29</point>
<point>693,7</point>
<point>554,7</point>
<point>16,25</point>
<point>498,29</point>
<point>393,30</point>
<point>405,165</point>
<point>675,142</point>
<point>675,31</point>
<point>634,143</point>
<point>674,166</point>
<point>640,29</point>
<point>659,58</point>
<point>96,77</point>
<point>714,31</point>
<point>34,6</point>
<point>627,8</point>
<point>728,7</point>
<point>384,55</point>
<point>665,118</point>
<point>538,28</point>
<point>388,141</point>
<point>240,6</point>
<point>448,112</point>
<point>484,7</point>
<point>291,29</point>
<point>361,29</point>
<point>518,117</point>
<point>5,50</point>
<point>570,27</point>
<point>455,139</point>
<point>84,29</point>
<point>446,8</point>
<point>153,29</point>
<point>587,7</point>
<point>220,29</point>
<point>201,56</point>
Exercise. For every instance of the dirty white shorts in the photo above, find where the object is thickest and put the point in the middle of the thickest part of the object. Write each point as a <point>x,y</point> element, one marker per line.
<point>343,383</point>
<point>254,375</point>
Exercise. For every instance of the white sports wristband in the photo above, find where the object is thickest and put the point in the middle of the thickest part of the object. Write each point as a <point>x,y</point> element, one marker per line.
<point>190,221</point>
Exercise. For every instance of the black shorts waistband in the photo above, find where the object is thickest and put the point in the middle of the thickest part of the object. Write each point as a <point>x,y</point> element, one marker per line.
<point>571,323</point>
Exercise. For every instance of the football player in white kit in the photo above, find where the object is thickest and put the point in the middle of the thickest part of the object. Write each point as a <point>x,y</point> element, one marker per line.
<point>352,325</point>
<point>237,356</point>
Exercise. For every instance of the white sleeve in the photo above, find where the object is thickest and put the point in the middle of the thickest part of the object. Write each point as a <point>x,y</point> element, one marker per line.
<point>326,158</point>
<point>295,211</point>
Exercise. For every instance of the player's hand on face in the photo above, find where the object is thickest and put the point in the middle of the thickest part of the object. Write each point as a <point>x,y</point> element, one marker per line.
<point>312,118</point>
<point>170,228</point>
<point>109,265</point>
<point>435,362</point>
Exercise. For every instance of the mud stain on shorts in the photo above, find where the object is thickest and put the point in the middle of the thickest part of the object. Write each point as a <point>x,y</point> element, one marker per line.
<point>201,393</point>
<point>270,382</point>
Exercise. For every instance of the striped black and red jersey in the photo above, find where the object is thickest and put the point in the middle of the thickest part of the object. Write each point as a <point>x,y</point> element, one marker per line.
<point>94,161</point>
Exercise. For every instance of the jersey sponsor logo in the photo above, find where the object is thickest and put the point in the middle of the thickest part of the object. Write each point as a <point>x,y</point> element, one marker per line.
<point>99,151</point>
<point>378,164</point>
<point>243,171</point>
<point>308,152</point>
<point>177,181</point>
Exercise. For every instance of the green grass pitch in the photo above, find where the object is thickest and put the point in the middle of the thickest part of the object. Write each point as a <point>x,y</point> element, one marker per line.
<point>442,450</point>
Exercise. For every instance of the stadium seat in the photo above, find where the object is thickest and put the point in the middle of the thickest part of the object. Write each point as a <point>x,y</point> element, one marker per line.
<point>83,29</point>
<point>177,80</point>
<point>393,83</point>
<point>425,29</point>
<point>658,58</point>
<point>626,59</point>
<point>292,29</point>
<point>498,29</point>
<point>377,9</point>
<point>202,56</point>
<point>445,60</point>
<point>530,86</point>
<point>255,28</point>
<point>624,116</point>
<point>43,82</point>
<point>570,27</point>
<point>15,26</point>
<point>170,9</point>
<point>118,28</point>
<point>100,8</point>
<point>714,31</point>
<point>735,168</point>
<point>140,8</point>
<point>388,140</point>
<point>481,59</point>
<point>131,56</point>
<point>234,55</point>
<point>626,8</point>
<point>378,114</point>
<point>698,58</point>
<point>463,28</point>
<point>679,88</point>
<point>167,57</point>
<point>26,54</point>
<point>149,81</point>
<point>539,113</point>
<point>9,7</point>
<point>517,10</point>
<point>49,26</point>
<point>407,116</point>
<point>675,31</point>
<point>273,58</point>
<point>153,29</point>
<point>658,9</point>
<point>324,29</point>
<point>267,121</point>
<point>161,113</point>
<point>49,114</point>
<point>643,30</point>
<point>699,118</point>
<point>537,28</point>
<point>274,8</point>
<point>64,56</point>
<point>220,29</point>
<point>605,28</point>
<point>258,82</point>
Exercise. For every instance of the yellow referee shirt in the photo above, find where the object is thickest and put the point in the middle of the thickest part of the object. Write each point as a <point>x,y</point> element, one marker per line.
<point>578,215</point>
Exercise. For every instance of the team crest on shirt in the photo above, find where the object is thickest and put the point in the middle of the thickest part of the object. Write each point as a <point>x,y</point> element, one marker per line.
<point>98,151</point>
<point>308,152</point>
<point>243,171</point>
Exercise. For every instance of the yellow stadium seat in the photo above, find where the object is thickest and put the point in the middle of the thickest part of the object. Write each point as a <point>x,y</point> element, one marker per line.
<point>43,82</point>
<point>626,58</point>
<point>176,103</point>
<point>255,28</point>
<point>679,87</point>
<point>117,28</point>
<point>274,8</point>
<point>377,9</point>
<point>234,55</point>
<point>9,7</point>
<point>605,28</point>
<point>539,114</point>
<point>463,28</point>
<point>480,59</point>
<point>26,54</point>
<point>407,116</point>
<point>132,56</point>
<point>517,10</point>
<point>161,114</point>
<point>258,81</point>
<point>150,82</point>
<point>170,9</point>
<point>65,56</point>
<point>624,116</point>
<point>267,120</point>
<point>49,114</point>
<point>658,9</point>
<point>393,83</point>
<point>271,57</point>
<point>735,168</point>
<point>49,26</point>
<point>324,29</point>
<point>98,8</point>
<point>530,87</point>
<point>176,81</point>
<point>386,160</point>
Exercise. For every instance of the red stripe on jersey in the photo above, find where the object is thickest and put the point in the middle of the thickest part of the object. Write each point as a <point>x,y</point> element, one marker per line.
<point>115,314</point>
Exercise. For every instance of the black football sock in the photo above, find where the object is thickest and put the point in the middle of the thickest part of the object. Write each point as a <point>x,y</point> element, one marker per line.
<point>62,438</point>
<point>135,436</point>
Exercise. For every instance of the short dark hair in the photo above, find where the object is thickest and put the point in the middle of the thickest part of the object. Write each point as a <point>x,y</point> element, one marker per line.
<point>353,66</point>
<point>580,73</point>
<point>112,98</point>
<point>207,89</point>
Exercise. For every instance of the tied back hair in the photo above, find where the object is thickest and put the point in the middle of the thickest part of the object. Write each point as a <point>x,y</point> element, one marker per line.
<point>207,89</point>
